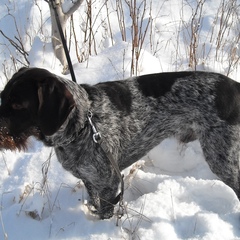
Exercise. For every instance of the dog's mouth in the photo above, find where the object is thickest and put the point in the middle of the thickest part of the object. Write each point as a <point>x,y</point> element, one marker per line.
<point>6,140</point>
<point>15,142</point>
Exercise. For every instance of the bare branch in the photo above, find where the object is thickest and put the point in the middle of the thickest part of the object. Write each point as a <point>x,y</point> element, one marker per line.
<point>17,45</point>
<point>75,6</point>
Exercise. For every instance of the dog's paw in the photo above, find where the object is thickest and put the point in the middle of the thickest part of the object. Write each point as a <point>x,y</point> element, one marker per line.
<point>90,211</point>
<point>105,215</point>
<point>103,212</point>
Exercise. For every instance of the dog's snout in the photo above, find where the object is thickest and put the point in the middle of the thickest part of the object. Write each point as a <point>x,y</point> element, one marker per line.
<point>6,140</point>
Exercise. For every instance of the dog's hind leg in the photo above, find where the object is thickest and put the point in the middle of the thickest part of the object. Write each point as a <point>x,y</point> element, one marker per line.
<point>221,146</point>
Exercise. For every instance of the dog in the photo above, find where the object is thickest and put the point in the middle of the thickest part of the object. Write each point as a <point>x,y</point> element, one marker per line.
<point>132,116</point>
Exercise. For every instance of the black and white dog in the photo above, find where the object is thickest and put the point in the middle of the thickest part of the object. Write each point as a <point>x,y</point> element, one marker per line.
<point>133,116</point>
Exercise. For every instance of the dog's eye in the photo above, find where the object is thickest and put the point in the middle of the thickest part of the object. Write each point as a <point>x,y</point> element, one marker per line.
<point>17,106</point>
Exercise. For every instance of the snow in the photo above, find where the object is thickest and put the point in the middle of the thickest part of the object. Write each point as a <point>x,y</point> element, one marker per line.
<point>171,193</point>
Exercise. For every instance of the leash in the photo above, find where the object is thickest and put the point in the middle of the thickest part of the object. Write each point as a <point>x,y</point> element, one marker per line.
<point>53,5</point>
<point>98,140</point>
<point>96,135</point>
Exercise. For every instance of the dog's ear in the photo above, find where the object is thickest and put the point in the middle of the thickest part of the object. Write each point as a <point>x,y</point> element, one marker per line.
<point>55,104</point>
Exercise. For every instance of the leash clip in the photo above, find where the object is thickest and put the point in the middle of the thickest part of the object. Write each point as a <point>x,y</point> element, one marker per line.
<point>96,134</point>
<point>96,139</point>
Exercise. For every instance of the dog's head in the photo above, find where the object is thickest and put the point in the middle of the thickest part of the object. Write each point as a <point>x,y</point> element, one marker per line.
<point>34,102</point>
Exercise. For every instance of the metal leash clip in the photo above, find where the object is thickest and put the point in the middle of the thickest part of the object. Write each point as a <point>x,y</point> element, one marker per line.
<point>96,134</point>
<point>96,139</point>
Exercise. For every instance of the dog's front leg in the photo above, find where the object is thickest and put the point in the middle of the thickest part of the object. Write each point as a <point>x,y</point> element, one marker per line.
<point>103,197</point>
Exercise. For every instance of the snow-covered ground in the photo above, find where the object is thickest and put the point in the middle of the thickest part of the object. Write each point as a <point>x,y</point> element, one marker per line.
<point>170,193</point>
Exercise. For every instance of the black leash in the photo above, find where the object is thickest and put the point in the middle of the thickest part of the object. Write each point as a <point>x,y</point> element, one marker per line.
<point>98,139</point>
<point>53,5</point>
<point>96,135</point>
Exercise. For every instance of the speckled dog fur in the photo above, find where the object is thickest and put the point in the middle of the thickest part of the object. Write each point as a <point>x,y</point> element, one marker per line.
<point>132,115</point>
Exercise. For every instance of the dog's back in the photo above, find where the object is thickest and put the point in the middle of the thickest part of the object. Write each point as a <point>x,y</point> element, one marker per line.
<point>186,105</point>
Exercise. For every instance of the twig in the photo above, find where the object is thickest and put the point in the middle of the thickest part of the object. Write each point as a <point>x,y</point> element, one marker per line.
<point>17,45</point>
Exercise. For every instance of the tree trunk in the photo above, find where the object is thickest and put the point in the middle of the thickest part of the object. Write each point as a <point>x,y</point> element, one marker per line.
<point>63,17</point>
